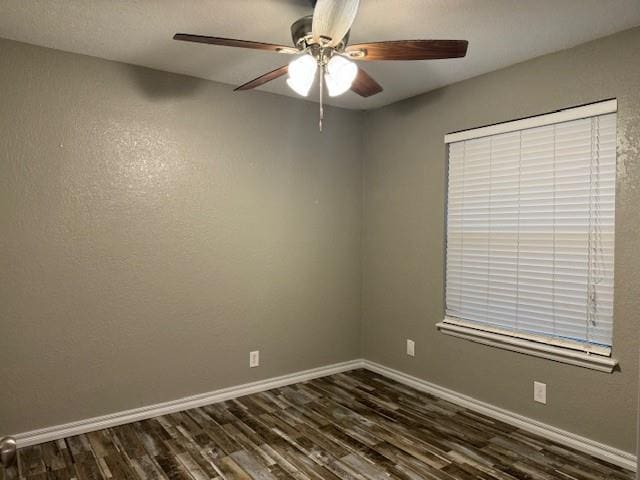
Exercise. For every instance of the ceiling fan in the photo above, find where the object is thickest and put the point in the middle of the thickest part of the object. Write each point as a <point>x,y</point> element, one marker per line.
<point>321,45</point>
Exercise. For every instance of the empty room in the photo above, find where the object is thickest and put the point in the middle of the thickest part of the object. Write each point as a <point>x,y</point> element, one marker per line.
<point>319,239</point>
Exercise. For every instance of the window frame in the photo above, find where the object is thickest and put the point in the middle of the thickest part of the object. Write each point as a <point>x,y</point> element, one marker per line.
<point>561,350</point>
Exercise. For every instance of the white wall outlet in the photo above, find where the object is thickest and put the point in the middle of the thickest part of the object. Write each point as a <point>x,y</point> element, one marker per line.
<point>254,359</point>
<point>540,392</point>
<point>411,348</point>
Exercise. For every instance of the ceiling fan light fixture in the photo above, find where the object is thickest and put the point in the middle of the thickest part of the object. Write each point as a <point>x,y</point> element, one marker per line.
<point>302,72</point>
<point>321,42</point>
<point>300,88</point>
<point>340,75</point>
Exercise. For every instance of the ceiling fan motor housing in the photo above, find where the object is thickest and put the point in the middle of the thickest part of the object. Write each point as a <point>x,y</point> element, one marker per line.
<point>301,34</point>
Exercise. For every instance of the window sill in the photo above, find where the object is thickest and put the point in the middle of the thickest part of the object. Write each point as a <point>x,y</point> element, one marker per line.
<point>528,347</point>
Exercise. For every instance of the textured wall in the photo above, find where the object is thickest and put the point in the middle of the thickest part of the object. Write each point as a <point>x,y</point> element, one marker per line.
<point>155,228</point>
<point>403,243</point>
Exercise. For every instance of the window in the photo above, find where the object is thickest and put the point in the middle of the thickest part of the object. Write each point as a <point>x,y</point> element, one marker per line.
<point>530,235</point>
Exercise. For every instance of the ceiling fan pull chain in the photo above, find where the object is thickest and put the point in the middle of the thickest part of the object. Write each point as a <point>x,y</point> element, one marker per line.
<point>321,95</point>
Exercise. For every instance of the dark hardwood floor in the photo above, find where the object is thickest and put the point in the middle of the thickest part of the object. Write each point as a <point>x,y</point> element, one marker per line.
<point>357,425</point>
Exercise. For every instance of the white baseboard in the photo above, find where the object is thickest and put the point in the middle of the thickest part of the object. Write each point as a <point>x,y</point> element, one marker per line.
<point>599,450</point>
<point>114,419</point>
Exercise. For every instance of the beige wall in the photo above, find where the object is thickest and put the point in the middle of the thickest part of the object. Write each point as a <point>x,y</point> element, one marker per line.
<point>404,238</point>
<point>155,228</point>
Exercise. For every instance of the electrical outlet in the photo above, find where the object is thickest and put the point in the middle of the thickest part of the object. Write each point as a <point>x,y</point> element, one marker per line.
<point>540,392</point>
<point>254,359</point>
<point>411,348</point>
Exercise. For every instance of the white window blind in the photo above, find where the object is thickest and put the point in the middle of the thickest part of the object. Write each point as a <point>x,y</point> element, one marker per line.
<point>530,232</point>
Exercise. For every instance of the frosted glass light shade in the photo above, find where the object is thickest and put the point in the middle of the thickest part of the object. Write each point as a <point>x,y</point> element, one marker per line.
<point>302,72</point>
<point>340,75</point>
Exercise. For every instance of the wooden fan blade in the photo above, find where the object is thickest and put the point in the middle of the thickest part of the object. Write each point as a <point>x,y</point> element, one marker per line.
<point>332,19</point>
<point>267,77</point>
<point>408,50</point>
<point>231,42</point>
<point>364,85</point>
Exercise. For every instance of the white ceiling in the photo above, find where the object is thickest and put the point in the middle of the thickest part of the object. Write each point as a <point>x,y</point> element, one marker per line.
<point>500,33</point>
